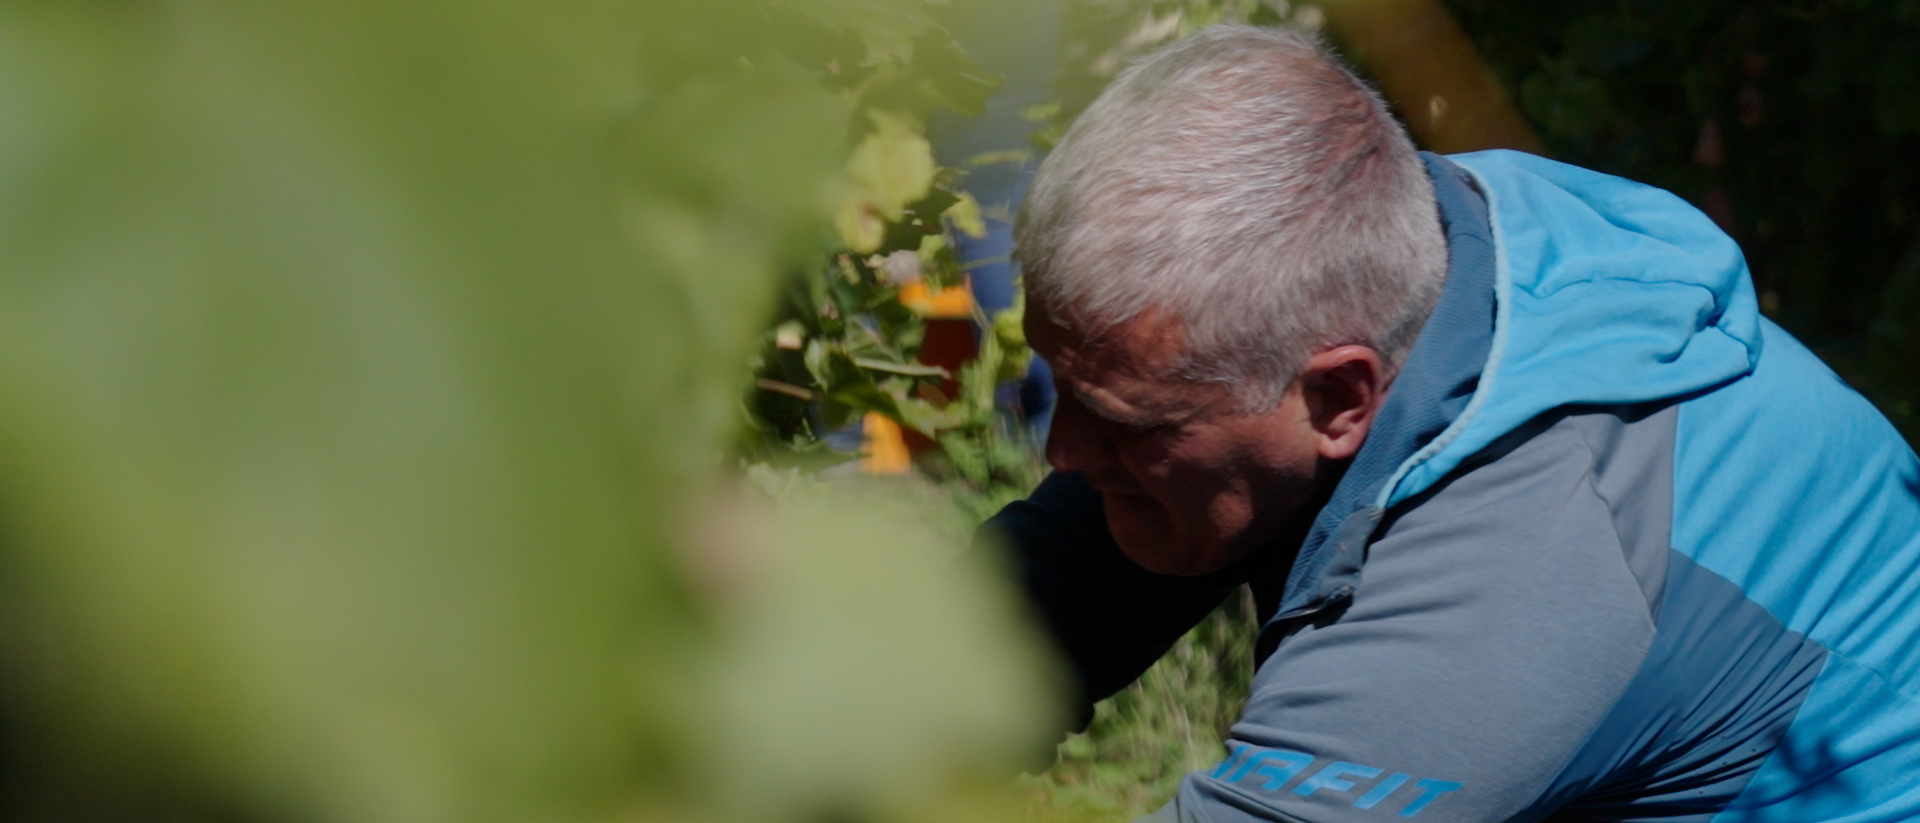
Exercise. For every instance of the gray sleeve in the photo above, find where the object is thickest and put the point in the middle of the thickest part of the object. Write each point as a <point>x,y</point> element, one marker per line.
<point>1496,622</point>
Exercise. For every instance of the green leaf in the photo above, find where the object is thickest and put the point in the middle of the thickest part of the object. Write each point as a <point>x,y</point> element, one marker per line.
<point>964,215</point>
<point>890,168</point>
<point>908,369</point>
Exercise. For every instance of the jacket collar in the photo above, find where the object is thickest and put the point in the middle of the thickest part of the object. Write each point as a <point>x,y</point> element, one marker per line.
<point>1434,386</point>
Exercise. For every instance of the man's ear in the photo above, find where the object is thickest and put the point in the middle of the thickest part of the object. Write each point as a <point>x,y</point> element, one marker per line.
<point>1343,388</point>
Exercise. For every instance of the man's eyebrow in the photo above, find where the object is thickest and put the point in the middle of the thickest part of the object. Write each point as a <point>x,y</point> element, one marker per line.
<point>1100,409</point>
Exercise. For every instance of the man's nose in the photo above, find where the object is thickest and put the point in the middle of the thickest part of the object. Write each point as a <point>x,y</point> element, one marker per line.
<point>1074,443</point>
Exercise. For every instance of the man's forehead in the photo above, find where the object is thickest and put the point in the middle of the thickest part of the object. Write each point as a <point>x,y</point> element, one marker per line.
<point>1146,345</point>
<point>1128,375</point>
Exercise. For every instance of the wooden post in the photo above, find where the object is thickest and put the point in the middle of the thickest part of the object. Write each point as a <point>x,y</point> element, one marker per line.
<point>1431,74</point>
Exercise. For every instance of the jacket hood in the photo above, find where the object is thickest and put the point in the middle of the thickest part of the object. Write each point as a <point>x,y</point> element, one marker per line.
<point>1607,292</point>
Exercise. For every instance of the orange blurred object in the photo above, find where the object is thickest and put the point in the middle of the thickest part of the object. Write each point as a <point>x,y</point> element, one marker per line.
<point>950,342</point>
<point>951,303</point>
<point>886,447</point>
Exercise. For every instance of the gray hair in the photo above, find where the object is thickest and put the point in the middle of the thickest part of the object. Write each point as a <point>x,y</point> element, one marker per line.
<point>1245,181</point>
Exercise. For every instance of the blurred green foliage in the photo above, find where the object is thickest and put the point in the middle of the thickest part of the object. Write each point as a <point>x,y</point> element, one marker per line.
<point>842,342</point>
<point>365,370</point>
<point>1793,124</point>
<point>1143,740</point>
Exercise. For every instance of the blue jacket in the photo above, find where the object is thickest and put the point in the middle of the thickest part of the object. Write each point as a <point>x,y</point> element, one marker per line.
<point>1617,548</point>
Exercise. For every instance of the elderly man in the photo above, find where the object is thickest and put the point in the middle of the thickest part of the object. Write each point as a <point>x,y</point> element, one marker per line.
<point>1542,518</point>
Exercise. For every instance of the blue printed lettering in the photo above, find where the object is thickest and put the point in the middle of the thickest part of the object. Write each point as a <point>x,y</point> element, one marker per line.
<point>1238,749</point>
<point>1277,775</point>
<point>1434,788</point>
<point>1334,777</point>
<point>1247,764</point>
<point>1273,769</point>
<point>1378,793</point>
